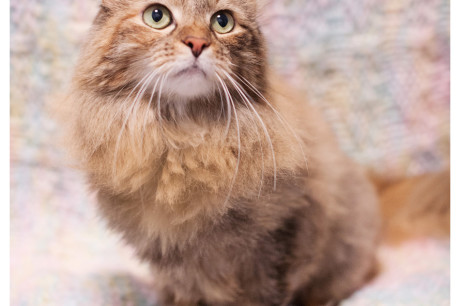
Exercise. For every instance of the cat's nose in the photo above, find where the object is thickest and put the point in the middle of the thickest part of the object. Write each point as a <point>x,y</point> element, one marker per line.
<point>196,44</point>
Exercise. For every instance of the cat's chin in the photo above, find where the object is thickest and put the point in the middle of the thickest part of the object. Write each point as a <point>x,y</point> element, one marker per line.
<point>189,84</point>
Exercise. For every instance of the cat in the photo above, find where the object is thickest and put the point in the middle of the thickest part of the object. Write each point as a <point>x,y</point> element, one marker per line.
<point>220,176</point>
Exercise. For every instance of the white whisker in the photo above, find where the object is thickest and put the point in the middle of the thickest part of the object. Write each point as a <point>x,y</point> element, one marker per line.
<point>148,109</point>
<point>221,103</point>
<point>119,109</point>
<point>229,98</point>
<point>130,110</point>
<point>280,117</point>
<point>229,109</point>
<point>267,135</point>
<point>260,147</point>
<point>160,118</point>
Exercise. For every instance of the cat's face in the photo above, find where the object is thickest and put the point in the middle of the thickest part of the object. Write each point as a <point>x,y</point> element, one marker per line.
<point>185,48</point>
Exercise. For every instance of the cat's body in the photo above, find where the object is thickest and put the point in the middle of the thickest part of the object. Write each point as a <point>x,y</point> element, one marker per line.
<point>232,198</point>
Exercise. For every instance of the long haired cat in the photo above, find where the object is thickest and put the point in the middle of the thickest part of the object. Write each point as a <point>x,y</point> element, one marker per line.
<point>230,186</point>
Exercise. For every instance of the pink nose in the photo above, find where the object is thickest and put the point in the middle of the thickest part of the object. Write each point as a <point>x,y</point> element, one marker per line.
<point>196,44</point>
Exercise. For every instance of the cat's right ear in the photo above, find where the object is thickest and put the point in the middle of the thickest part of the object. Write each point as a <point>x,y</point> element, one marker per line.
<point>106,10</point>
<point>113,3</point>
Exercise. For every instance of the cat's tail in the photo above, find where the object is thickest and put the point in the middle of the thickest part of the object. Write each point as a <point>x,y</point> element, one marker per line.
<point>414,207</point>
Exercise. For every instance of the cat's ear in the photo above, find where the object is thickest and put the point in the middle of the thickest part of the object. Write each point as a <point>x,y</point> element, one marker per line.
<point>108,2</point>
<point>113,4</point>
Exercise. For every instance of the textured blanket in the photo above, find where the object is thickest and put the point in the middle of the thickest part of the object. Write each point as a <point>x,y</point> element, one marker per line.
<point>379,70</point>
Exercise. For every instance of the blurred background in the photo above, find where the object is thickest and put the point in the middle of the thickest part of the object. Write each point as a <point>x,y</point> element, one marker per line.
<point>378,69</point>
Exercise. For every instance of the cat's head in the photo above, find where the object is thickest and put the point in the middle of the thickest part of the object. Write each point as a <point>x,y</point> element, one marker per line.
<point>187,49</point>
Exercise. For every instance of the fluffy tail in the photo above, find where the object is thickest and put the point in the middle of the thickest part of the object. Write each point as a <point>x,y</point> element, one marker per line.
<point>415,207</point>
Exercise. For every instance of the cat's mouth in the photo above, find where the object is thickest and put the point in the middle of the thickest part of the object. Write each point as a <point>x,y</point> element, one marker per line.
<point>191,81</point>
<point>191,71</point>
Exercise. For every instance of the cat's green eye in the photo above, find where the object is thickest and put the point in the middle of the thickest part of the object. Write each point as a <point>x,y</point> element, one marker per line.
<point>222,22</point>
<point>157,16</point>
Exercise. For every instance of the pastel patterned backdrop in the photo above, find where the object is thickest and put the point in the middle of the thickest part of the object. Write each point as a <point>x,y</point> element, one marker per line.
<point>379,70</point>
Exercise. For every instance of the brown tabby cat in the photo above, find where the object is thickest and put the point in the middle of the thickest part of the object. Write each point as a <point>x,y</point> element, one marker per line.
<point>231,187</point>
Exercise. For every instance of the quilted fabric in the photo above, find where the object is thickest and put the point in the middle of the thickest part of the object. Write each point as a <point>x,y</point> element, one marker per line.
<point>379,70</point>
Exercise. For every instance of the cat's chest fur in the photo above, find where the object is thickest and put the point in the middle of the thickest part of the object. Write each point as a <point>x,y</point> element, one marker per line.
<point>184,166</point>
<point>193,187</point>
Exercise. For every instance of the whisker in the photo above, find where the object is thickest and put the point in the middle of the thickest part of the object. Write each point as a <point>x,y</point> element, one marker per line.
<point>260,147</point>
<point>221,103</point>
<point>115,97</point>
<point>120,109</point>
<point>229,98</point>
<point>160,92</point>
<point>141,92</point>
<point>139,97</point>
<point>267,135</point>
<point>130,110</point>
<point>229,110</point>
<point>280,117</point>
<point>148,109</point>
<point>160,118</point>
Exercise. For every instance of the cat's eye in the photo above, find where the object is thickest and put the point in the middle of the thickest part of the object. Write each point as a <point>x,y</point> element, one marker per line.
<point>157,16</point>
<point>222,22</point>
